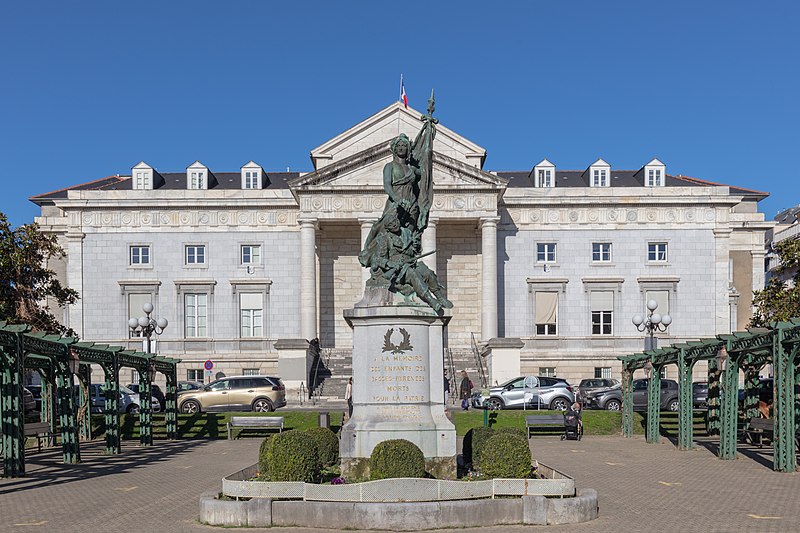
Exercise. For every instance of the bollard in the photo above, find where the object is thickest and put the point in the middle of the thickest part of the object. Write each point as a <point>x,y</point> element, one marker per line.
<point>485,415</point>
<point>325,420</point>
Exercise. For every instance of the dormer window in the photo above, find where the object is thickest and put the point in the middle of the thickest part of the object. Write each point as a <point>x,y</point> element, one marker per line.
<point>197,176</point>
<point>252,176</point>
<point>599,174</point>
<point>544,174</point>
<point>653,173</point>
<point>142,177</point>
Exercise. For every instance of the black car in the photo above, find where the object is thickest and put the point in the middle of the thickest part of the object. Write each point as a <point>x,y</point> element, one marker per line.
<point>591,385</point>
<point>700,394</point>
<point>611,399</point>
<point>155,389</point>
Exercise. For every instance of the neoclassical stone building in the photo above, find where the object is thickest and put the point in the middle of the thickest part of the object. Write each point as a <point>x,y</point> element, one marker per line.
<point>245,263</point>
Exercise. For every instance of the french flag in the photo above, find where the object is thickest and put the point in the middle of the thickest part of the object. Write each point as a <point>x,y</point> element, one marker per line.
<point>403,97</point>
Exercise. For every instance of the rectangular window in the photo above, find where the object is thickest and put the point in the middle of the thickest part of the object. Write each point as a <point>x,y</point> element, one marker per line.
<point>135,377</point>
<point>547,371</point>
<point>251,179</point>
<point>546,313</point>
<point>196,180</point>
<point>140,180</point>
<point>661,298</point>
<point>599,177</point>
<point>135,303</point>
<point>194,374</point>
<point>601,252</point>
<point>251,254</point>
<point>602,312</point>
<point>602,372</point>
<point>196,313</point>
<point>546,252</point>
<point>140,255</point>
<point>545,178</point>
<point>250,372</point>
<point>251,307</point>
<point>654,177</point>
<point>195,255</point>
<point>657,251</point>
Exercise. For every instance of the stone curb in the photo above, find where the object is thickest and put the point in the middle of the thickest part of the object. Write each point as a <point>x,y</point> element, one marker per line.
<point>529,510</point>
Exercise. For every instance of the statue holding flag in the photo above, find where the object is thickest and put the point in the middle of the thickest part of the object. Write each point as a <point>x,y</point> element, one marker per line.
<point>408,182</point>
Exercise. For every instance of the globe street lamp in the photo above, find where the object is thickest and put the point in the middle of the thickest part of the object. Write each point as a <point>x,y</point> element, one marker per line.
<point>146,326</point>
<point>651,324</point>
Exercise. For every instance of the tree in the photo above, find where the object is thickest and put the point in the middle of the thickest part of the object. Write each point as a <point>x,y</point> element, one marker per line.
<point>780,300</point>
<point>26,282</point>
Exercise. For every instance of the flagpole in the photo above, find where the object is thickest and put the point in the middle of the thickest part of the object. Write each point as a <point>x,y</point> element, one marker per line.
<point>401,96</point>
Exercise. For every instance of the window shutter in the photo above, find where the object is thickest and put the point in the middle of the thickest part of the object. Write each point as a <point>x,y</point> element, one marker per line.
<point>135,303</point>
<point>662,297</point>
<point>602,300</point>
<point>250,300</point>
<point>546,307</point>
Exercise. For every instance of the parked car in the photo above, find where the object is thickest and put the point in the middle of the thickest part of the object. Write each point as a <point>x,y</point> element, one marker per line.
<point>28,401</point>
<point>591,385</point>
<point>611,399</point>
<point>128,400</point>
<point>235,393</point>
<point>552,393</point>
<point>36,390</point>
<point>700,394</point>
<point>184,386</point>
<point>155,389</point>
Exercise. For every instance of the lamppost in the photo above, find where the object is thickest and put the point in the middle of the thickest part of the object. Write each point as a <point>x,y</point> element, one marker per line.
<point>651,324</point>
<point>146,326</point>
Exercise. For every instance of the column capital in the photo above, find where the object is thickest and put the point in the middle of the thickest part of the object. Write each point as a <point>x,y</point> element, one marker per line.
<point>308,221</point>
<point>367,220</point>
<point>722,233</point>
<point>432,221</point>
<point>489,221</point>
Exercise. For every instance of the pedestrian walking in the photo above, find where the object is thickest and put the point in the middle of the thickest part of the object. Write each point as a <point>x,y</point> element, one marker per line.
<point>465,390</point>
<point>348,395</point>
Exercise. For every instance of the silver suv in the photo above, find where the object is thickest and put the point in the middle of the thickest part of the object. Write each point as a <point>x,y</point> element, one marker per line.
<point>552,393</point>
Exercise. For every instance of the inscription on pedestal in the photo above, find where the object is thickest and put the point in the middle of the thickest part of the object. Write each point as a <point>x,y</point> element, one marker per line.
<point>397,375</point>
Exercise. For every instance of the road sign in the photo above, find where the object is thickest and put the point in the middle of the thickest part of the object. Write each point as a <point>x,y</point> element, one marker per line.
<point>208,365</point>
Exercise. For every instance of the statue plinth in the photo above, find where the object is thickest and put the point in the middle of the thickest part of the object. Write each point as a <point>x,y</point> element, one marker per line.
<point>398,385</point>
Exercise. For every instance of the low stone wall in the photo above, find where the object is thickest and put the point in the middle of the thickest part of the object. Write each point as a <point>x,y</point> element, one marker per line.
<point>528,510</point>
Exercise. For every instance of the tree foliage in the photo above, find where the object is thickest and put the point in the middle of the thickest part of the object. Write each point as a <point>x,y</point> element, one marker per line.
<point>26,282</point>
<point>780,299</point>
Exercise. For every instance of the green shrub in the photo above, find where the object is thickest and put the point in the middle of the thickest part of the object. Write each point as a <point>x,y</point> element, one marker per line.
<point>506,455</point>
<point>477,440</point>
<point>327,445</point>
<point>512,431</point>
<point>263,459</point>
<point>396,458</point>
<point>293,456</point>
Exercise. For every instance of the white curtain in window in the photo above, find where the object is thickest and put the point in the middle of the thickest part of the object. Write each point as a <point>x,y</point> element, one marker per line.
<point>662,297</point>
<point>602,300</point>
<point>135,303</point>
<point>546,307</point>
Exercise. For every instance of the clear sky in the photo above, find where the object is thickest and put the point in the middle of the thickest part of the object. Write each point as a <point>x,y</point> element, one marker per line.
<point>88,89</point>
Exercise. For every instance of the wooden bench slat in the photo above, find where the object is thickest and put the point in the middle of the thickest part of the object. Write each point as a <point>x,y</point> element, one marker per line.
<point>261,422</point>
<point>543,421</point>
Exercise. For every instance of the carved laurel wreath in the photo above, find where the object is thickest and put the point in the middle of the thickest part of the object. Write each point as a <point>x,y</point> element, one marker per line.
<point>404,346</point>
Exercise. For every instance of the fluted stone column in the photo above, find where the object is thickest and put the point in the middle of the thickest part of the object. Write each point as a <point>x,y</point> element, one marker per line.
<point>489,278</point>
<point>73,240</point>
<point>722,310</point>
<point>429,243</point>
<point>308,278</point>
<point>366,226</point>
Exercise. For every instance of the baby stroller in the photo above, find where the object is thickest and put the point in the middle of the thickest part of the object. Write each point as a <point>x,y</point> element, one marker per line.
<point>573,428</point>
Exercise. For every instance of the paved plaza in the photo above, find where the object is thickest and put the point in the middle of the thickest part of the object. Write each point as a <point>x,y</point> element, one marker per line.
<point>641,487</point>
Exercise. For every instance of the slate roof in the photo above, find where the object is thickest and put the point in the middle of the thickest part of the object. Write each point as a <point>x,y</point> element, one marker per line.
<point>788,216</point>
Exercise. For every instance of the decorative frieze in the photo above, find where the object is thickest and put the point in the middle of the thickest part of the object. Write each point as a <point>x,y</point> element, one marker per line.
<point>553,217</point>
<point>185,219</point>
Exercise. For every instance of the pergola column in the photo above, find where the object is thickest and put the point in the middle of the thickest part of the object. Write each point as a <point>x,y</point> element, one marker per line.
<point>489,278</point>
<point>85,398</point>
<point>713,403</point>
<point>654,405</point>
<point>729,408</point>
<point>171,408</point>
<point>111,408</point>
<point>308,279</point>
<point>11,407</point>
<point>751,392</point>
<point>146,408</point>
<point>429,243</point>
<point>785,459</point>
<point>67,417</point>
<point>627,402</point>
<point>685,436</point>
<point>366,227</point>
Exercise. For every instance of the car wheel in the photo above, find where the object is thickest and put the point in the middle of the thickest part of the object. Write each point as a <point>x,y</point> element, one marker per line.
<point>559,404</point>
<point>262,405</point>
<point>613,405</point>
<point>494,404</point>
<point>133,409</point>
<point>190,407</point>
<point>674,405</point>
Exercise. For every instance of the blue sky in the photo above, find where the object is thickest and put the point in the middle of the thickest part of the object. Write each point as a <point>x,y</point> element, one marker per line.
<point>91,88</point>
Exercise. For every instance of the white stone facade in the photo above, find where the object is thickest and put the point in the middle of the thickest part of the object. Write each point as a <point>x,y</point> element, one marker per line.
<point>484,229</point>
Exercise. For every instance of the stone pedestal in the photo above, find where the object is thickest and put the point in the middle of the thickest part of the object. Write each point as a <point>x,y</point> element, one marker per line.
<point>294,362</point>
<point>398,386</point>
<point>503,359</point>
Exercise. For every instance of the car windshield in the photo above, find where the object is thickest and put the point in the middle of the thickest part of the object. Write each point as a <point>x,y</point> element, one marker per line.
<point>125,390</point>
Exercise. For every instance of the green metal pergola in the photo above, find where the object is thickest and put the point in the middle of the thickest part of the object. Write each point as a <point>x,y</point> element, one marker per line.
<point>726,356</point>
<point>59,360</point>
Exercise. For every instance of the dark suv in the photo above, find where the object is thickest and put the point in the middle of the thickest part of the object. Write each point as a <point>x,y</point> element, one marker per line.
<point>593,385</point>
<point>612,399</point>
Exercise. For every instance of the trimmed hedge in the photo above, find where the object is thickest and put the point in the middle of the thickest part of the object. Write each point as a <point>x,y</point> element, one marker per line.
<point>263,457</point>
<point>293,456</point>
<point>327,445</point>
<point>396,458</point>
<point>474,442</point>
<point>506,455</point>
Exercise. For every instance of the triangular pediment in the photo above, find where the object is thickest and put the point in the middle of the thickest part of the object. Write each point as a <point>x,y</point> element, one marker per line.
<point>385,125</point>
<point>364,171</point>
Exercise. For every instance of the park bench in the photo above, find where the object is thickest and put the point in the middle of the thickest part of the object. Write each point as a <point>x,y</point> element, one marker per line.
<point>538,422</point>
<point>254,422</point>
<point>40,430</point>
<point>758,429</point>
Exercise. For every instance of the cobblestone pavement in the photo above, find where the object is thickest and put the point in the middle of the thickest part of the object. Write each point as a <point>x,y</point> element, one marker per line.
<point>641,487</point>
